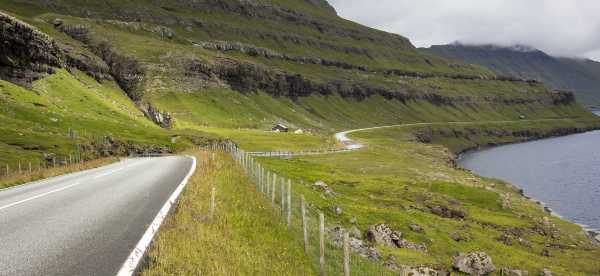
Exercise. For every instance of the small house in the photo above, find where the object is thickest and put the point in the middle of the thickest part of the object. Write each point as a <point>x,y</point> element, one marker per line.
<point>280,128</point>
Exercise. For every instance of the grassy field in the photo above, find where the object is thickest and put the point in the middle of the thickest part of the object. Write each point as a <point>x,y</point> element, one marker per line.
<point>246,236</point>
<point>395,178</point>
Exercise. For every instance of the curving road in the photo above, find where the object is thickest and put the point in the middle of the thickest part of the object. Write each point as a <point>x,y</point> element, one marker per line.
<point>86,223</point>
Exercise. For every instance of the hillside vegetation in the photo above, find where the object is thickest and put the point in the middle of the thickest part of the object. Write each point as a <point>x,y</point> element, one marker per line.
<point>581,76</point>
<point>101,78</point>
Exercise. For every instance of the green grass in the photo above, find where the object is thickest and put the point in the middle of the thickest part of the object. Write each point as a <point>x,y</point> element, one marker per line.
<point>245,237</point>
<point>393,180</point>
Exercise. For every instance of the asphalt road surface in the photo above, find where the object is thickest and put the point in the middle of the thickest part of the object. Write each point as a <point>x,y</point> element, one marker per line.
<point>86,223</point>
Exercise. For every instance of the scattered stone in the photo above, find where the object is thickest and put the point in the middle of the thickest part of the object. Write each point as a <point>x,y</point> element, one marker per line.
<point>416,228</point>
<point>445,212</point>
<point>320,185</point>
<point>460,236</point>
<point>513,272</point>
<point>391,264</point>
<point>336,210</point>
<point>381,234</point>
<point>419,271</point>
<point>546,272</point>
<point>355,232</point>
<point>546,253</point>
<point>57,22</point>
<point>474,263</point>
<point>505,239</point>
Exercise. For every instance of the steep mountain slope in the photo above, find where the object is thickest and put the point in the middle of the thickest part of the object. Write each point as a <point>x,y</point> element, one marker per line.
<point>579,75</point>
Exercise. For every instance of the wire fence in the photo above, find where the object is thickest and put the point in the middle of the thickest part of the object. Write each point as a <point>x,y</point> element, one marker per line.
<point>330,248</point>
<point>28,167</point>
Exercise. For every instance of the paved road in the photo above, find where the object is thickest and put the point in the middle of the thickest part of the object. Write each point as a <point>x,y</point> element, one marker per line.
<point>85,223</point>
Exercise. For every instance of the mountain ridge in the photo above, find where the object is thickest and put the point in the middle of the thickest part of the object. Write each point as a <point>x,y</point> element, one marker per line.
<point>579,75</point>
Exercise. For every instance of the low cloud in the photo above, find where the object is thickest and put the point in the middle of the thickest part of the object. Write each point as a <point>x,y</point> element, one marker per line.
<point>559,27</point>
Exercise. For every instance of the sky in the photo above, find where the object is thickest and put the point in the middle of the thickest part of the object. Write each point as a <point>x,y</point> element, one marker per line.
<point>568,28</point>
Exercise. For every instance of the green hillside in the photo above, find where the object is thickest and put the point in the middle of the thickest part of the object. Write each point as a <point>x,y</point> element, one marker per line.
<point>581,76</point>
<point>121,77</point>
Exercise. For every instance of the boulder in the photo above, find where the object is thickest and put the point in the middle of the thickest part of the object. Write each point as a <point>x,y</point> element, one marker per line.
<point>505,271</point>
<point>445,212</point>
<point>460,236</point>
<point>546,272</point>
<point>474,263</point>
<point>381,234</point>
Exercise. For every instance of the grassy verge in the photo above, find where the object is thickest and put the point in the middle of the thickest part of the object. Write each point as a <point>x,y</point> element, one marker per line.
<point>245,237</point>
<point>25,177</point>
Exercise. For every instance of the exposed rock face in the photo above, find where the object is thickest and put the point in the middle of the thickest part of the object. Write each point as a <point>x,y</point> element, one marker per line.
<point>162,119</point>
<point>27,54</point>
<point>475,263</point>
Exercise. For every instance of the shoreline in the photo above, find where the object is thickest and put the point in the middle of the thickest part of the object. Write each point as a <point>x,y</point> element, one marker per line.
<point>592,233</point>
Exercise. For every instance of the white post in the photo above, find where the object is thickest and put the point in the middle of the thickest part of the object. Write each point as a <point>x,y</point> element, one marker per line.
<point>282,196</point>
<point>304,223</point>
<point>289,204</point>
<point>322,244</point>
<point>273,188</point>
<point>346,254</point>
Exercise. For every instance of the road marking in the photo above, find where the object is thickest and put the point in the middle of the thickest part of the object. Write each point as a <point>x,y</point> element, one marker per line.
<point>38,196</point>
<point>134,258</point>
<point>108,173</point>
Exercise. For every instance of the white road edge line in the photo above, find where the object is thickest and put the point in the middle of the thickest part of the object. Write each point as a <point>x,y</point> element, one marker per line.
<point>136,255</point>
<point>38,196</point>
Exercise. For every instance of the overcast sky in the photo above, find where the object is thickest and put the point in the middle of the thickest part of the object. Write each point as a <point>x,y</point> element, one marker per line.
<point>559,27</point>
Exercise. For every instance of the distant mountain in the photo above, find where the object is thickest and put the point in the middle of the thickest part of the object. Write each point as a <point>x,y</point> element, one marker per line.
<point>581,76</point>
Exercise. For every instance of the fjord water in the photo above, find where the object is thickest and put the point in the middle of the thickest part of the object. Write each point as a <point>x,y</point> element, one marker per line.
<point>563,173</point>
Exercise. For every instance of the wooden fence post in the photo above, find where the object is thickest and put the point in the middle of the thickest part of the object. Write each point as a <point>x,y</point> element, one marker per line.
<point>273,188</point>
<point>282,196</point>
<point>304,224</point>
<point>7,170</point>
<point>212,202</point>
<point>268,184</point>
<point>322,244</point>
<point>29,166</point>
<point>289,204</point>
<point>54,162</point>
<point>346,254</point>
<point>19,167</point>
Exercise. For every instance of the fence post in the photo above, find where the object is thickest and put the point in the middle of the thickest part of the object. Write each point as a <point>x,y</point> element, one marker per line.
<point>273,188</point>
<point>282,196</point>
<point>304,226</point>
<point>54,162</point>
<point>322,244</point>
<point>19,167</point>
<point>7,170</point>
<point>289,204</point>
<point>346,254</point>
<point>268,184</point>
<point>30,167</point>
<point>212,202</point>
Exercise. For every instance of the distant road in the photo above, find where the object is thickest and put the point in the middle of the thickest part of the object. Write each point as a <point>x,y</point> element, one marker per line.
<point>85,223</point>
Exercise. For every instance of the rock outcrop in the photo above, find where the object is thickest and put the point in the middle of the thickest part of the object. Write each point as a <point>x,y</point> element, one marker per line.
<point>475,263</point>
<point>162,119</point>
<point>27,54</point>
<point>381,234</point>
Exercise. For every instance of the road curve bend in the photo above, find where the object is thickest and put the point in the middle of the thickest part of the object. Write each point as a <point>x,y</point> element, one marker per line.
<point>89,222</point>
